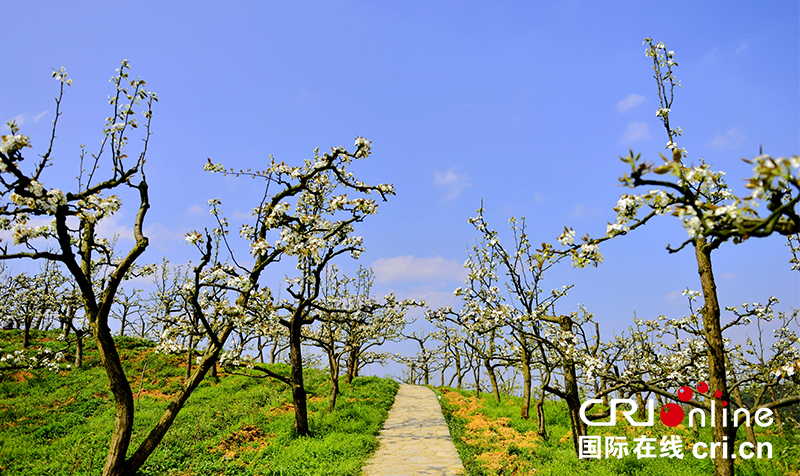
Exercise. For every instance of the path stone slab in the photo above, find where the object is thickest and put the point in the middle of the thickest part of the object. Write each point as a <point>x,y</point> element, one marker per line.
<point>415,439</point>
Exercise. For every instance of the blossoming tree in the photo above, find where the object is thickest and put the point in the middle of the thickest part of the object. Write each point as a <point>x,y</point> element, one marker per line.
<point>69,235</point>
<point>305,214</point>
<point>712,214</point>
<point>350,321</point>
<point>524,314</point>
<point>32,301</point>
<point>458,330</point>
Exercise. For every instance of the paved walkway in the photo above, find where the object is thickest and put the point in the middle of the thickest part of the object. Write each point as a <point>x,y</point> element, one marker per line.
<point>414,439</point>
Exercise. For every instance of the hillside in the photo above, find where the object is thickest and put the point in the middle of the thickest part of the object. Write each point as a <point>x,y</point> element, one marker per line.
<point>58,423</point>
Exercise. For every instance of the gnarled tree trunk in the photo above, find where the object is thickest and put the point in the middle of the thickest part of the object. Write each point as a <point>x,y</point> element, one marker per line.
<point>717,378</point>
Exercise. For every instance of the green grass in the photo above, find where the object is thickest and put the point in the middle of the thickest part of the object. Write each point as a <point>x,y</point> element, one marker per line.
<point>501,442</point>
<point>60,423</point>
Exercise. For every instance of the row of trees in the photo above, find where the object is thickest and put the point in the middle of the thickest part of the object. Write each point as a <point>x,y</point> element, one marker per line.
<point>509,320</point>
<point>307,214</point>
<point>509,323</point>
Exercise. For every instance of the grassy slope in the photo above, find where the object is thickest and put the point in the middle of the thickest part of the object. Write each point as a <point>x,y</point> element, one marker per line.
<point>493,439</point>
<point>60,423</point>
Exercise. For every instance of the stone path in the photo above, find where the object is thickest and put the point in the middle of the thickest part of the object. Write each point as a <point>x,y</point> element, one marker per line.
<point>414,439</point>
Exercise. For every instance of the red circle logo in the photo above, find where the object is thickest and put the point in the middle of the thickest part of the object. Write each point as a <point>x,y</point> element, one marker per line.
<point>672,414</point>
<point>685,393</point>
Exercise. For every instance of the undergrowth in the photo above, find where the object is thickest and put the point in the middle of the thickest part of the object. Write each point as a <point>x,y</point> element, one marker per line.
<point>493,439</point>
<point>60,423</point>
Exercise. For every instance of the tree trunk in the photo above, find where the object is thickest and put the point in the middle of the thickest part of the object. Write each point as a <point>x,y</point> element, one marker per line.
<point>426,368</point>
<point>457,375</point>
<point>26,333</point>
<point>352,366</point>
<point>525,364</point>
<point>296,377</point>
<point>574,405</point>
<point>492,378</point>
<point>38,324</point>
<point>260,350</point>
<point>571,391</point>
<point>122,324</point>
<point>273,352</point>
<point>640,402</point>
<point>333,361</point>
<point>146,448</point>
<point>123,401</point>
<point>541,428</point>
<point>452,378</point>
<point>444,367</point>
<point>476,372</point>
<point>717,379</point>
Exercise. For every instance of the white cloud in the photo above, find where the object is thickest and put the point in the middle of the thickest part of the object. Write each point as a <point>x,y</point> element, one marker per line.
<point>581,210</point>
<point>674,295</point>
<point>303,95</point>
<point>244,216</point>
<point>157,232</point>
<point>409,268</point>
<point>732,139</point>
<point>108,228</point>
<point>452,182</point>
<point>39,116</point>
<point>712,53</point>
<point>630,102</point>
<point>742,47</point>
<point>197,210</point>
<point>635,132</point>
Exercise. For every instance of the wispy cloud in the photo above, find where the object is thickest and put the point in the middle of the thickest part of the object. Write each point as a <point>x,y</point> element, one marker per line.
<point>581,210</point>
<point>635,132</point>
<point>160,233</point>
<point>742,47</point>
<point>452,182</point>
<point>303,95</point>
<point>630,102</point>
<point>117,226</point>
<point>108,228</point>
<point>410,268</point>
<point>712,53</point>
<point>39,116</point>
<point>197,210</point>
<point>730,140</point>
<point>673,296</point>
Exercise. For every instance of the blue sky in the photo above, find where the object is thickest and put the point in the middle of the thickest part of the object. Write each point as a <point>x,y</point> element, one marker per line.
<point>524,105</point>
